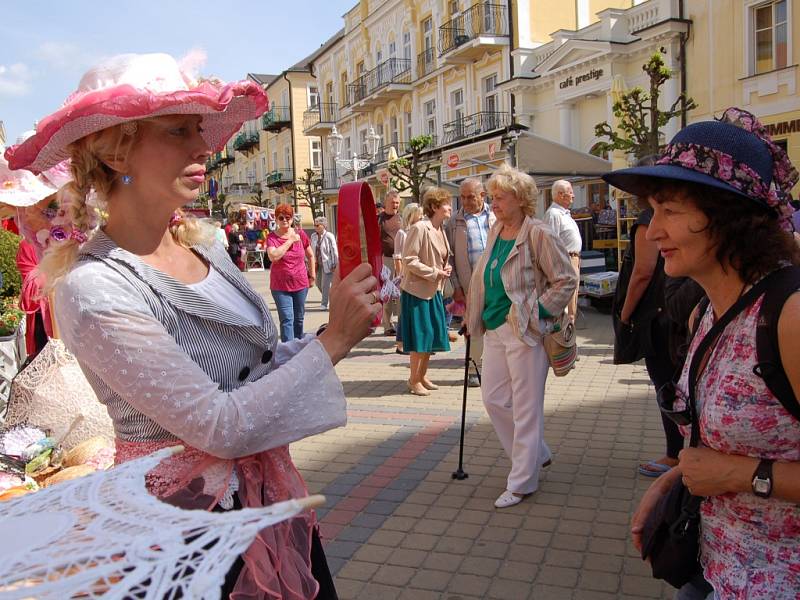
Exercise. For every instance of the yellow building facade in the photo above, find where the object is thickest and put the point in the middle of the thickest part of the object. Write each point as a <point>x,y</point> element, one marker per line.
<point>565,87</point>
<point>745,54</point>
<point>410,67</point>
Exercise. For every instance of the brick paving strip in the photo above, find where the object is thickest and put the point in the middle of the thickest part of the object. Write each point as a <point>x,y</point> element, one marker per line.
<point>396,525</point>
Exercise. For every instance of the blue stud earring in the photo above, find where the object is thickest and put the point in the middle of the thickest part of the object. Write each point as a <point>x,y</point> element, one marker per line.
<point>127,180</point>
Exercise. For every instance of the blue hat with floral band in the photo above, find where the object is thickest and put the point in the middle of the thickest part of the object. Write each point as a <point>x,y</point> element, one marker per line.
<point>733,153</point>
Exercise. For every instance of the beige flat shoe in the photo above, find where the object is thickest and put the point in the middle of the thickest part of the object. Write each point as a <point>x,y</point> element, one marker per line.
<point>418,389</point>
<point>429,384</point>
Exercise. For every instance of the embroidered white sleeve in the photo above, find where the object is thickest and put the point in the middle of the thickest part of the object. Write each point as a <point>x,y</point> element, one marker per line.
<point>109,328</point>
<point>286,350</point>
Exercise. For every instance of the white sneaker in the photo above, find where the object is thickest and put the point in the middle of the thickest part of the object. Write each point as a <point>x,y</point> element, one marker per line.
<point>507,499</point>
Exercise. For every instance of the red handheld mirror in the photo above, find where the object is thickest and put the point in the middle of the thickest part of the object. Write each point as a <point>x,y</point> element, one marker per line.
<point>356,204</point>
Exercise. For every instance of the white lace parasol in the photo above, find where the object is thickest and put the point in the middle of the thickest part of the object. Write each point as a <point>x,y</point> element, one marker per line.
<point>104,536</point>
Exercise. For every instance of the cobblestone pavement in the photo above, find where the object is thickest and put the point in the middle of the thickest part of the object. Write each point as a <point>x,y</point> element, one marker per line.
<point>397,526</point>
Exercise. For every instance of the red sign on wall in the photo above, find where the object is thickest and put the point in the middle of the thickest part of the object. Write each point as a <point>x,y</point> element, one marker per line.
<point>452,160</point>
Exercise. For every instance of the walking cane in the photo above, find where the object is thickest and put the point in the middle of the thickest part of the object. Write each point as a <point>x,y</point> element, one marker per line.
<point>459,473</point>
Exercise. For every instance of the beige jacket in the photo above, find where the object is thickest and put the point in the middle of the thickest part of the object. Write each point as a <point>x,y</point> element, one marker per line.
<point>456,229</point>
<point>425,253</point>
<point>537,270</point>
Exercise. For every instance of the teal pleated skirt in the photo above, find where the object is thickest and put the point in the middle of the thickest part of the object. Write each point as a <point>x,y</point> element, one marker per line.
<point>423,324</point>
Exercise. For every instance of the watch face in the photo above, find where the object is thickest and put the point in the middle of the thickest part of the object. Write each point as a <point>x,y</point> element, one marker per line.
<point>761,486</point>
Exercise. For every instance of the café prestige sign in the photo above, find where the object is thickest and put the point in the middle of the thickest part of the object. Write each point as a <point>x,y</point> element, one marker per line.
<point>583,82</point>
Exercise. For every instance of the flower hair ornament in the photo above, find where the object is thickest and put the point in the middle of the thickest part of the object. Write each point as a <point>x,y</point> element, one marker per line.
<point>175,220</point>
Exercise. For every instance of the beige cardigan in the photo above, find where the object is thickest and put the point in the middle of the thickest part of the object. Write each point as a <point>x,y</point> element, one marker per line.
<point>425,253</point>
<point>537,269</point>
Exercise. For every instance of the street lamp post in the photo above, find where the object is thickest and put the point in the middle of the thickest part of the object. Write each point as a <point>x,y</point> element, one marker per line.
<point>355,164</point>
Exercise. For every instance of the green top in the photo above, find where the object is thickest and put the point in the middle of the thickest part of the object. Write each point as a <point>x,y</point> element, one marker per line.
<point>496,303</point>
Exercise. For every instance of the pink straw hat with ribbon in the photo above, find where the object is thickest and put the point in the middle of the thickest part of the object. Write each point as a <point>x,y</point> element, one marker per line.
<point>128,87</point>
<point>22,188</point>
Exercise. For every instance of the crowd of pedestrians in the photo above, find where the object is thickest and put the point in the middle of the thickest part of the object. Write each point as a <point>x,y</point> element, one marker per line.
<point>138,285</point>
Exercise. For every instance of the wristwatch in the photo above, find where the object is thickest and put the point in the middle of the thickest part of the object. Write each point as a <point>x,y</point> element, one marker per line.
<point>762,479</point>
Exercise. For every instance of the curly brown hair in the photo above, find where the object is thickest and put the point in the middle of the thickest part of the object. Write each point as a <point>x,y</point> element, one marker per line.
<point>433,198</point>
<point>746,235</point>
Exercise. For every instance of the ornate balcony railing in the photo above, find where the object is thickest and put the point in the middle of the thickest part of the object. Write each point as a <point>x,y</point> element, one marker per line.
<point>225,158</point>
<point>325,112</point>
<point>276,118</point>
<point>393,70</point>
<point>402,149</point>
<point>473,125</point>
<point>279,177</point>
<point>245,141</point>
<point>426,62</point>
<point>482,19</point>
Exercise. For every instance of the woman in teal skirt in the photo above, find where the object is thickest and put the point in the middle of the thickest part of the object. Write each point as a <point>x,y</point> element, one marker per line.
<point>425,261</point>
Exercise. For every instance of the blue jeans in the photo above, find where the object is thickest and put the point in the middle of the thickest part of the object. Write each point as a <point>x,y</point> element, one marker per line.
<point>291,312</point>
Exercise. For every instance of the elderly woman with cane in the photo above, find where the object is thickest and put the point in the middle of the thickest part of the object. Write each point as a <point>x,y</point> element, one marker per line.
<point>520,285</point>
<point>172,338</point>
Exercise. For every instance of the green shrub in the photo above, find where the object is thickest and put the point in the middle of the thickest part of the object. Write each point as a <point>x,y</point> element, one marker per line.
<point>12,282</point>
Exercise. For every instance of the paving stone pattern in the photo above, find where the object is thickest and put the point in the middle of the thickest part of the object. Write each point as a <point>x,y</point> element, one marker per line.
<point>397,526</point>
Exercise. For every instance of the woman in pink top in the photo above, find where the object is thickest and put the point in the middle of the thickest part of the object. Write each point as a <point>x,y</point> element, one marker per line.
<point>289,279</point>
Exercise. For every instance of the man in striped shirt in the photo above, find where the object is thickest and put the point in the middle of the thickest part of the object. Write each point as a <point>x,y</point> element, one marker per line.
<point>467,231</point>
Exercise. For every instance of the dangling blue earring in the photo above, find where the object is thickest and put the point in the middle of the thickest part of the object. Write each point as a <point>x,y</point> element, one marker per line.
<point>127,180</point>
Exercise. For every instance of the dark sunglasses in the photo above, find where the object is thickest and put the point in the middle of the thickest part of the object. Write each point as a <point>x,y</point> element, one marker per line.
<point>282,218</point>
<point>666,396</point>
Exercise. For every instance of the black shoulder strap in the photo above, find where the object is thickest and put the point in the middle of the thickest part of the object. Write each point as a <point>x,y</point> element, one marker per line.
<point>769,367</point>
<point>708,341</point>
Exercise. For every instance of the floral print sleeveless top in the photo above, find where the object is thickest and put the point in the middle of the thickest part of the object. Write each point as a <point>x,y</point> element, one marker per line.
<point>750,546</point>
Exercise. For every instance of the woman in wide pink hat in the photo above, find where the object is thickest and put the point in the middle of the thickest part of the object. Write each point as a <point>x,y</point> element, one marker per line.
<point>26,198</point>
<point>171,336</point>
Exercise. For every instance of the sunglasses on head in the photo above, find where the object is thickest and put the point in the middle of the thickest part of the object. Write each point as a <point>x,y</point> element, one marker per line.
<point>666,396</point>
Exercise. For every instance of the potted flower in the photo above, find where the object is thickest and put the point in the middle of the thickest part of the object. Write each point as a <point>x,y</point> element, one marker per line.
<point>10,318</point>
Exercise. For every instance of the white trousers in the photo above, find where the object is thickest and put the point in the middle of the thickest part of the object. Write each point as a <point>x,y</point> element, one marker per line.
<point>512,388</point>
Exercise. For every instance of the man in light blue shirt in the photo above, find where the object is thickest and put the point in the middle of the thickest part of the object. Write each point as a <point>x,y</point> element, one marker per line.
<point>467,231</point>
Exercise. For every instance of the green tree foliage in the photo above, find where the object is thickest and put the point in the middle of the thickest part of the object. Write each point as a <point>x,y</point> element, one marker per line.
<point>410,172</point>
<point>12,281</point>
<point>640,119</point>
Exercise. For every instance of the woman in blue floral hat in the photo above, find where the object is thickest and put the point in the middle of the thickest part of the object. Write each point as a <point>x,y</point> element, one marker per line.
<point>720,195</point>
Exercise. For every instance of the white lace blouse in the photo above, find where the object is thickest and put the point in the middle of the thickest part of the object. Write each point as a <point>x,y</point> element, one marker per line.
<point>168,363</point>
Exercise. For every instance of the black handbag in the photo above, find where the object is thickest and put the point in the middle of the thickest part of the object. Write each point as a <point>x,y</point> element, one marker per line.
<point>671,532</point>
<point>633,341</point>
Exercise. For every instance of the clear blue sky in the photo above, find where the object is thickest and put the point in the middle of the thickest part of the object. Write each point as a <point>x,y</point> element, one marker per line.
<point>46,45</point>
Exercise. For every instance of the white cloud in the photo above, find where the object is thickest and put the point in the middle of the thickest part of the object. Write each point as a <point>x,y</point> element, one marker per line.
<point>63,56</point>
<point>15,80</point>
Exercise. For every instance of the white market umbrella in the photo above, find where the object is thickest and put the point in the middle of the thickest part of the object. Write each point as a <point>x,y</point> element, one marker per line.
<point>105,536</point>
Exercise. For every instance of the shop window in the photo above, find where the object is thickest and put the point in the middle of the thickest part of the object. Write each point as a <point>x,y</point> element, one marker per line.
<point>409,129</point>
<point>770,36</point>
